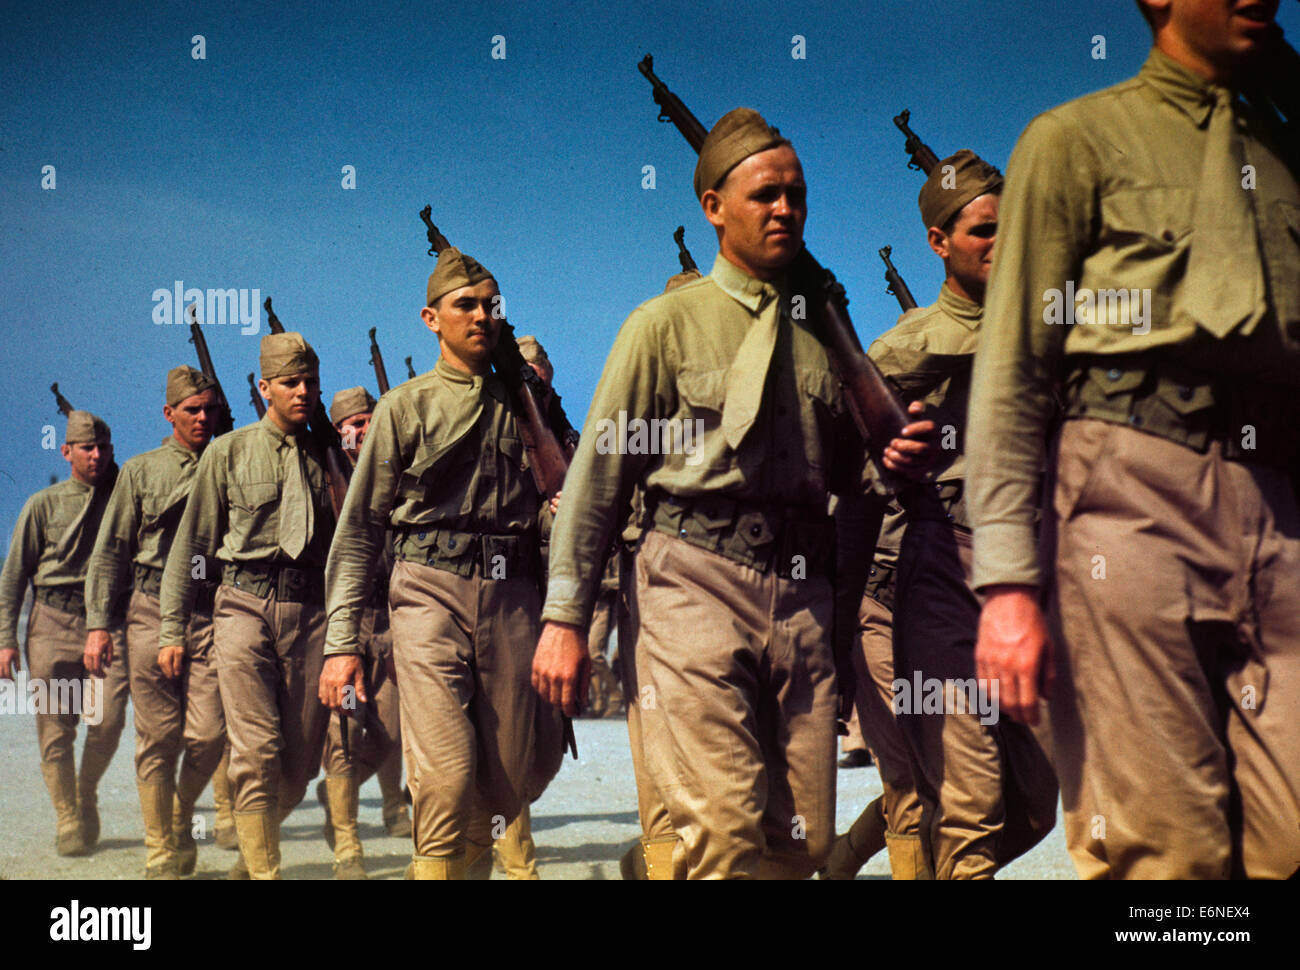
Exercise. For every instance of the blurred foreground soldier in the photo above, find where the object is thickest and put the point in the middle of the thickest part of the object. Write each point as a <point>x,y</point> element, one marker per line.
<point>733,588</point>
<point>178,716</point>
<point>51,548</point>
<point>259,505</point>
<point>444,468</point>
<point>375,746</point>
<point>986,782</point>
<point>1166,208</point>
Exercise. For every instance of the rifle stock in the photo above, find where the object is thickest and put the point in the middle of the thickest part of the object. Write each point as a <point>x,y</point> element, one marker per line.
<point>410,370</point>
<point>225,420</point>
<point>377,362</point>
<point>877,411</point>
<point>62,403</point>
<point>894,279</point>
<point>683,254</point>
<point>255,396</point>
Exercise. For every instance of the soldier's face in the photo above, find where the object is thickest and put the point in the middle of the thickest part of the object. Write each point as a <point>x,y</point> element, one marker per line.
<point>353,432</point>
<point>194,419</point>
<point>1221,34</point>
<point>968,248</point>
<point>760,210</point>
<point>468,323</point>
<point>293,398</point>
<point>89,461</point>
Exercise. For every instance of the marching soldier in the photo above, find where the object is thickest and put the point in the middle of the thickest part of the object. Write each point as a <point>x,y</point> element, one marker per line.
<point>259,505</point>
<point>178,714</point>
<point>733,588</point>
<point>376,745</point>
<point>444,469</point>
<point>50,549</point>
<point>1149,264</point>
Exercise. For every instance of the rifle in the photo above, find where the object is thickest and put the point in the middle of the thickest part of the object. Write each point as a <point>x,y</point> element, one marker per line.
<point>921,156</point>
<point>542,437</point>
<point>896,287</point>
<point>337,467</point>
<point>256,397</point>
<point>62,403</point>
<point>377,361</point>
<point>225,420</point>
<point>684,254</point>
<point>877,411</point>
<point>410,371</point>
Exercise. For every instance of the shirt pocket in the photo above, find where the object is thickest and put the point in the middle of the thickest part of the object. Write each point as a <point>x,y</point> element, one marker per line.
<point>254,510</point>
<point>437,474</point>
<point>1143,243</point>
<point>821,399</point>
<point>702,395</point>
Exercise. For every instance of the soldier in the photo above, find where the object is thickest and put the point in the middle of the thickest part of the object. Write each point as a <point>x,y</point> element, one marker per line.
<point>50,549</point>
<point>733,590</point>
<point>986,783</point>
<point>259,505</point>
<point>376,748</point>
<point>177,705</point>
<point>444,469</point>
<point>1148,262</point>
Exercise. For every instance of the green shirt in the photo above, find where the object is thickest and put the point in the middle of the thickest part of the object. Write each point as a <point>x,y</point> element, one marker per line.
<point>138,524</point>
<point>1099,195</point>
<point>671,361</point>
<point>233,513</point>
<point>443,451</point>
<point>51,545</point>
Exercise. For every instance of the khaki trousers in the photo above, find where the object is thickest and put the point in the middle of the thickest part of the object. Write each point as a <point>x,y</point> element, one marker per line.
<point>873,665</point>
<point>269,656</point>
<point>375,729</point>
<point>173,717</point>
<point>988,788</point>
<point>1177,609</point>
<point>56,642</point>
<point>464,652</point>
<point>737,668</point>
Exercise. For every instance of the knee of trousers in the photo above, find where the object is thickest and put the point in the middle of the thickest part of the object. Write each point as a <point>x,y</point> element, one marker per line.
<point>57,736</point>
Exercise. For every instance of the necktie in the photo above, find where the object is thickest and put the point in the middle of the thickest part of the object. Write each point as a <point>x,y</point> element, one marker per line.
<point>1225,278</point>
<point>748,373</point>
<point>295,502</point>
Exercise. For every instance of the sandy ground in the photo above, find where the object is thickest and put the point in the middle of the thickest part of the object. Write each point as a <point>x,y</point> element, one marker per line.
<point>581,825</point>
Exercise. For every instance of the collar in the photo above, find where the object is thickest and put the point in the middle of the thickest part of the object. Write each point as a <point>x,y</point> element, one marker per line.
<point>1182,87</point>
<point>280,438</point>
<point>966,312</point>
<point>473,383</point>
<point>751,293</point>
<point>183,453</point>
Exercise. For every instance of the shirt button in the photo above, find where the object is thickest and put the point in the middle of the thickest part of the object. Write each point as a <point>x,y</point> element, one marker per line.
<point>1114,374</point>
<point>1135,419</point>
<point>756,530</point>
<point>1184,392</point>
<point>1167,235</point>
<point>682,533</point>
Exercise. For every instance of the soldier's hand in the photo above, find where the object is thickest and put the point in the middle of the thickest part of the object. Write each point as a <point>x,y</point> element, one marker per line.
<point>562,668</point>
<point>912,454</point>
<point>170,661</point>
<point>340,672</point>
<point>555,503</point>
<point>1014,649</point>
<point>98,655</point>
<point>9,663</point>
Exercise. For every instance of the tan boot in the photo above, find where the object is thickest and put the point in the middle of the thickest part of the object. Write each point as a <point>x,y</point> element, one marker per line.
<point>478,861</point>
<point>156,796</point>
<point>323,796</point>
<point>437,867</point>
<point>397,820</point>
<point>61,781</point>
<point>516,850</point>
<point>907,857</point>
<point>259,843</point>
<point>190,783</point>
<point>341,798</point>
<point>631,865</point>
<point>95,759</point>
<point>664,858</point>
<point>225,803</point>
<point>864,839</point>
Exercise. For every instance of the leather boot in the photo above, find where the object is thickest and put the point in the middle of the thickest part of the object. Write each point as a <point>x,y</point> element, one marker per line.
<point>341,798</point>
<point>864,839</point>
<point>224,799</point>
<point>437,866</point>
<point>189,785</point>
<point>397,820</point>
<point>323,796</point>
<point>907,857</point>
<point>631,865</point>
<point>516,850</point>
<point>663,858</point>
<point>259,843</point>
<point>478,861</point>
<point>95,758</point>
<point>61,781</point>
<point>156,795</point>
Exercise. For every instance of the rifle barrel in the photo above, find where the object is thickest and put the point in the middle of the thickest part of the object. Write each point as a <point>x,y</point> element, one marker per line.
<point>896,287</point>
<point>377,362</point>
<point>922,157</point>
<point>684,254</point>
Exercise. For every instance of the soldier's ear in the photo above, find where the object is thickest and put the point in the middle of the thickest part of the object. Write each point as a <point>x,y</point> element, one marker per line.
<point>711,203</point>
<point>430,317</point>
<point>938,240</point>
<point>66,451</point>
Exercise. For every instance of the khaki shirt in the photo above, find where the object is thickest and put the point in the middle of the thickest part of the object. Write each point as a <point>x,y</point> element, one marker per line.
<point>138,524</point>
<point>51,545</point>
<point>233,514</point>
<point>1100,195</point>
<point>443,451</point>
<point>670,361</point>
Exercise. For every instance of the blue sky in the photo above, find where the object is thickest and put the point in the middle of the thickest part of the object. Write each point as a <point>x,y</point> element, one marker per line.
<point>226,171</point>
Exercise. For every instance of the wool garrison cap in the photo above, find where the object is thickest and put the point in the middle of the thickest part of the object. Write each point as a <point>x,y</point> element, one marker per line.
<point>454,270</point>
<point>738,134</point>
<point>354,400</point>
<point>184,381</point>
<point>953,183</point>
<point>85,428</point>
<point>285,354</point>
